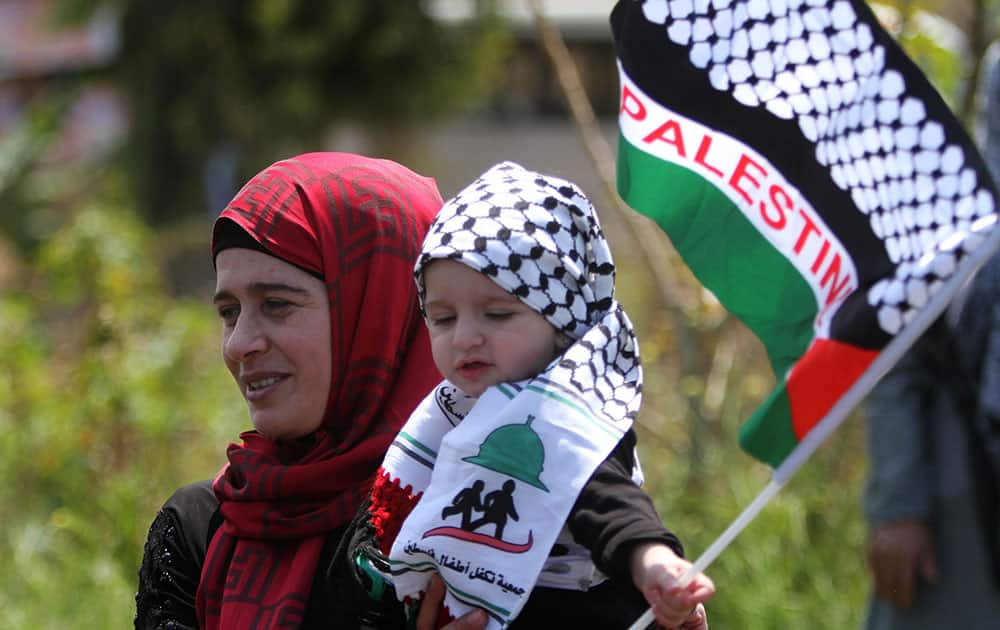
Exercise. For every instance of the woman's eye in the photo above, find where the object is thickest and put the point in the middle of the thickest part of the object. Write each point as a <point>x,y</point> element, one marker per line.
<point>229,313</point>
<point>276,305</point>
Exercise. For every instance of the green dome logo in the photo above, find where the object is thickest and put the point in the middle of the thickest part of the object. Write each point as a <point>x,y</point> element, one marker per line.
<point>514,450</point>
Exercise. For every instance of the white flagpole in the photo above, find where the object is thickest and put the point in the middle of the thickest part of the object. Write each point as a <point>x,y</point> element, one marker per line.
<point>892,352</point>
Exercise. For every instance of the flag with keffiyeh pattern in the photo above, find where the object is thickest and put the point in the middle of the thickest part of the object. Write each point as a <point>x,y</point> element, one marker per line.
<point>809,175</point>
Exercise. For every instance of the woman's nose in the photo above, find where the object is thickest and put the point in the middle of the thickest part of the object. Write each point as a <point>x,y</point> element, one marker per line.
<point>245,339</point>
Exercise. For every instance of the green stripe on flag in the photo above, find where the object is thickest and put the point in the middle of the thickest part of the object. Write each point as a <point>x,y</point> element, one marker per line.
<point>760,286</point>
<point>768,435</point>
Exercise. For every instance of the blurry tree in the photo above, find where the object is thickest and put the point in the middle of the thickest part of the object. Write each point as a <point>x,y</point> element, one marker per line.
<point>948,40</point>
<point>111,394</point>
<point>20,148</point>
<point>243,82</point>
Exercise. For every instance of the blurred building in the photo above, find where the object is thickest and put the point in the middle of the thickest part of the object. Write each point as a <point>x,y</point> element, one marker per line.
<point>525,119</point>
<point>39,58</point>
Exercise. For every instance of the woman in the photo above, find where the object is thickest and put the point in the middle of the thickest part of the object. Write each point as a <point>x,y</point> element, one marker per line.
<point>322,333</point>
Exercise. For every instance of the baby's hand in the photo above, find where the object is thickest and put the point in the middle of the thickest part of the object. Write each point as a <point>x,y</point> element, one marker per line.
<point>655,571</point>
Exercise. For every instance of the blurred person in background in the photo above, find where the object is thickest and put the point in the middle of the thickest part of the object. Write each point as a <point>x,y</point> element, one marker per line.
<point>932,494</point>
<point>323,335</point>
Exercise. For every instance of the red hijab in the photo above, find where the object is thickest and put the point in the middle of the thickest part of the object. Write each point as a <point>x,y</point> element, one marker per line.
<point>358,223</point>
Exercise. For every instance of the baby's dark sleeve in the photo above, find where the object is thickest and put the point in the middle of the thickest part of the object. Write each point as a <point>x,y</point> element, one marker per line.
<point>613,514</point>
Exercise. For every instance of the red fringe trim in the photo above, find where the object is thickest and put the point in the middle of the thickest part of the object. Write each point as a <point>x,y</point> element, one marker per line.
<point>391,504</point>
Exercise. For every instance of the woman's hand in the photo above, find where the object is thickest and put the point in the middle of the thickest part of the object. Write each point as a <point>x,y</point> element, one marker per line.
<point>431,604</point>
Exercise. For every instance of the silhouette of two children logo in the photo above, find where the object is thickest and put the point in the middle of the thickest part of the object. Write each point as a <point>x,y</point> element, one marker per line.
<point>495,508</point>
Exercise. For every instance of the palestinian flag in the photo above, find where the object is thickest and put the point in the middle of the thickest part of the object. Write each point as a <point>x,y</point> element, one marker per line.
<point>808,174</point>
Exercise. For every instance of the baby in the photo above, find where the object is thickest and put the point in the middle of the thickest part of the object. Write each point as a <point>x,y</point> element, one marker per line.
<point>517,480</point>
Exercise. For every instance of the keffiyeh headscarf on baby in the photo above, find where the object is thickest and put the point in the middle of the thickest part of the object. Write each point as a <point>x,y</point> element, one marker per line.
<point>499,474</point>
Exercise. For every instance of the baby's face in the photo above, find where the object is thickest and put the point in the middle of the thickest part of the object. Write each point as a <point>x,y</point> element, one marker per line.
<point>482,335</point>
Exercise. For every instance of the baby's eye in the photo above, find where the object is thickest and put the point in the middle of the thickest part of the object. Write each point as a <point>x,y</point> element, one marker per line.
<point>500,315</point>
<point>440,320</point>
<point>228,313</point>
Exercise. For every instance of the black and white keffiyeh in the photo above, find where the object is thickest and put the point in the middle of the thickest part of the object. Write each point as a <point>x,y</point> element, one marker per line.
<point>500,476</point>
<point>538,237</point>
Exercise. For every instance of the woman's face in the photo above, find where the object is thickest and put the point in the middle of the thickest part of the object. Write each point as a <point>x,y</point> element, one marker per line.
<point>275,340</point>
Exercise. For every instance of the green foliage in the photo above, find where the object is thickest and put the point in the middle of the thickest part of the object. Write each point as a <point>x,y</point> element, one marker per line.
<point>938,63</point>
<point>111,395</point>
<point>21,211</point>
<point>800,562</point>
<point>947,42</point>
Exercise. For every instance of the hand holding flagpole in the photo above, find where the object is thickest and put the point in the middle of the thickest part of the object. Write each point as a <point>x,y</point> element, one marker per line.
<point>718,546</point>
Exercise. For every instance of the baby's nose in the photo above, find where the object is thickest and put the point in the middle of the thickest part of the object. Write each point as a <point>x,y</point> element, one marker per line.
<point>467,333</point>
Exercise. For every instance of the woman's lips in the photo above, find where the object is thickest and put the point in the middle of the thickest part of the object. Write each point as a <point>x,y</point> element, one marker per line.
<point>259,387</point>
